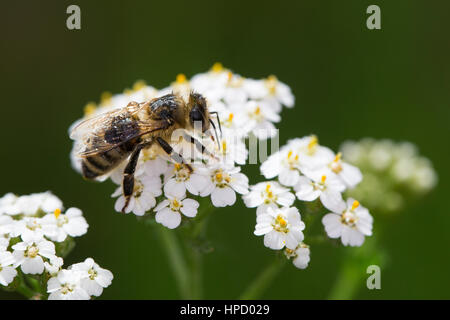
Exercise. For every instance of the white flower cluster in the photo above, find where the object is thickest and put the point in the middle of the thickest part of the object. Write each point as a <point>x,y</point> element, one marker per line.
<point>32,227</point>
<point>392,172</point>
<point>311,171</point>
<point>244,106</point>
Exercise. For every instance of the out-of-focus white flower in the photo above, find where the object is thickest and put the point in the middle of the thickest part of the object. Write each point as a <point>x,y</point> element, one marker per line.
<point>224,183</point>
<point>6,225</point>
<point>8,204</point>
<point>318,185</point>
<point>272,91</point>
<point>351,223</point>
<point>93,278</point>
<point>31,228</point>
<point>66,286</point>
<point>281,227</point>
<point>393,171</point>
<point>259,119</point>
<point>30,204</point>
<point>4,242</point>
<point>7,271</point>
<point>168,212</point>
<point>146,188</point>
<point>300,256</point>
<point>268,194</point>
<point>54,265</point>
<point>424,178</point>
<point>29,255</point>
<point>70,223</point>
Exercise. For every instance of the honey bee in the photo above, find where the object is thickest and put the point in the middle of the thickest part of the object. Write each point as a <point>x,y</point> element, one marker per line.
<point>105,141</point>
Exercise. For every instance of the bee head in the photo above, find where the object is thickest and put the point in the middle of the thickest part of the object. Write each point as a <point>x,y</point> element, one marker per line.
<point>198,112</point>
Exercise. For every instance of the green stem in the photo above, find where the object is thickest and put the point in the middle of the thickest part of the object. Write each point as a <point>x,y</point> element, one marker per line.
<point>23,289</point>
<point>195,249</point>
<point>197,271</point>
<point>352,273</point>
<point>348,281</point>
<point>263,280</point>
<point>176,259</point>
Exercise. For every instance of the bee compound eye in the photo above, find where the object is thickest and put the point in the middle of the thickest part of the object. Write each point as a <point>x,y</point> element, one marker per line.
<point>196,115</point>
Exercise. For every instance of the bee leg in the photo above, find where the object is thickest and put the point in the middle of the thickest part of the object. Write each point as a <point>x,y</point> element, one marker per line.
<point>172,154</point>
<point>128,175</point>
<point>200,147</point>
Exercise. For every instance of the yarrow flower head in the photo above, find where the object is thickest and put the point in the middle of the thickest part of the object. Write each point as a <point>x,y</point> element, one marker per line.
<point>35,233</point>
<point>393,171</point>
<point>205,164</point>
<point>318,177</point>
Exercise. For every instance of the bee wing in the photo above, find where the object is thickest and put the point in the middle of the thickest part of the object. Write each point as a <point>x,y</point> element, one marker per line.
<point>100,121</point>
<point>89,135</point>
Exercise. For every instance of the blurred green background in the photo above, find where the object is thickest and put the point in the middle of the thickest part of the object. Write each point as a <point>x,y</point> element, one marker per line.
<point>349,83</point>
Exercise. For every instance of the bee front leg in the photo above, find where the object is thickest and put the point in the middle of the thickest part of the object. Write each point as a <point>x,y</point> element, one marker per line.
<point>128,175</point>
<point>198,145</point>
<point>172,154</point>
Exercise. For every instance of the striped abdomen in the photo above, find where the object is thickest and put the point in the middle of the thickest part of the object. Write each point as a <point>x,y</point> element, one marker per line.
<point>100,164</point>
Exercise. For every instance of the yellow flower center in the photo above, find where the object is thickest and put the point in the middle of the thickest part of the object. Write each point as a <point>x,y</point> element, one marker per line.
<point>105,98</point>
<point>221,179</point>
<point>92,274</point>
<point>271,84</point>
<point>181,78</point>
<point>349,218</point>
<point>57,212</point>
<point>257,114</point>
<point>230,76</point>
<point>138,188</point>
<point>66,288</point>
<point>89,109</point>
<point>32,252</point>
<point>292,161</point>
<point>312,145</point>
<point>33,225</point>
<point>217,67</point>
<point>280,224</point>
<point>355,205</point>
<point>138,85</point>
<point>182,173</point>
<point>175,205</point>
<point>268,196</point>
<point>224,146</point>
<point>336,165</point>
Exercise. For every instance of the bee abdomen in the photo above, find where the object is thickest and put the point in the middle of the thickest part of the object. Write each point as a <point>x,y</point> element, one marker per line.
<point>100,164</point>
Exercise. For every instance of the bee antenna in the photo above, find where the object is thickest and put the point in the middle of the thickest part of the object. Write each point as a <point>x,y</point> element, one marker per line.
<point>218,121</point>
<point>215,132</point>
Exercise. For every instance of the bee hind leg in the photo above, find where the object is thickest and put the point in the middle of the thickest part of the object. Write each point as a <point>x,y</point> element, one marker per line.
<point>172,154</point>
<point>128,175</point>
